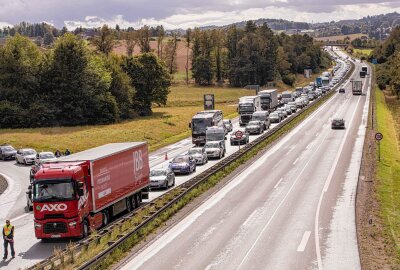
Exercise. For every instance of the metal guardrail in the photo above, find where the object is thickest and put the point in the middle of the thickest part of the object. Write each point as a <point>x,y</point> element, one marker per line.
<point>69,254</point>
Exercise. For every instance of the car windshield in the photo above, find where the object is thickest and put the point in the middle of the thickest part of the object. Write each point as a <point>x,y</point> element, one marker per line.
<point>226,122</point>
<point>46,155</point>
<point>273,115</point>
<point>29,152</point>
<point>194,151</point>
<point>54,190</point>
<point>253,123</point>
<point>158,173</point>
<point>180,159</point>
<point>211,145</point>
<point>8,148</point>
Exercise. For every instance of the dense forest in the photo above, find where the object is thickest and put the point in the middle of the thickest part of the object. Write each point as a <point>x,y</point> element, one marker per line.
<point>71,84</point>
<point>388,57</point>
<point>253,55</point>
<point>76,80</point>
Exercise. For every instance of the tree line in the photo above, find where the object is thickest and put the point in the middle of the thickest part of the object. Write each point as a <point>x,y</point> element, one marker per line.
<point>388,57</point>
<point>253,55</point>
<point>71,84</point>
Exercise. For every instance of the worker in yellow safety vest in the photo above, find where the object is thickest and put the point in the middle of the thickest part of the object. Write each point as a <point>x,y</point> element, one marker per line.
<point>8,236</point>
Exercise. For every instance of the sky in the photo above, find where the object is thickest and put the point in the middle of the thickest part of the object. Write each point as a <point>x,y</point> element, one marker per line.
<point>183,14</point>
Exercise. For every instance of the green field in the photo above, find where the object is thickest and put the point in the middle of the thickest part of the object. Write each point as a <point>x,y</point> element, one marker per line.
<point>167,124</point>
<point>388,172</point>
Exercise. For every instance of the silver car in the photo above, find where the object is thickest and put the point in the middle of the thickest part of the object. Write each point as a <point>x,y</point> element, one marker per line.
<point>26,156</point>
<point>162,178</point>
<point>215,149</point>
<point>199,154</point>
<point>43,157</point>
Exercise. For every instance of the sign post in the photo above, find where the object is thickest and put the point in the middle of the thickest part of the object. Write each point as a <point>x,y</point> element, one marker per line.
<point>378,138</point>
<point>209,102</point>
<point>239,135</point>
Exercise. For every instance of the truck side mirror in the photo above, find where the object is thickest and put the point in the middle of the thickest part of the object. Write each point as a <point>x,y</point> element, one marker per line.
<point>80,189</point>
<point>190,125</point>
<point>30,187</point>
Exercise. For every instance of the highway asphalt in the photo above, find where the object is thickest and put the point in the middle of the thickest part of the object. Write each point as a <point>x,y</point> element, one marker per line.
<point>29,250</point>
<point>293,208</point>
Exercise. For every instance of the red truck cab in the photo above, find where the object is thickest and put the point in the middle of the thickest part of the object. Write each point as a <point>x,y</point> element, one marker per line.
<point>81,192</point>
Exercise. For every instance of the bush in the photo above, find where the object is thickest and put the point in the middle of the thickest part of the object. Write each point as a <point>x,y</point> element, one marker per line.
<point>289,79</point>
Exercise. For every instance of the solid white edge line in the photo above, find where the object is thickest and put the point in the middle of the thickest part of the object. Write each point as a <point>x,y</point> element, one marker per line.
<point>277,184</point>
<point>304,241</point>
<point>294,163</point>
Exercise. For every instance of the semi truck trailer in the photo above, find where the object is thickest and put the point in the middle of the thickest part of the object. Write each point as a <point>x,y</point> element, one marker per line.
<point>83,191</point>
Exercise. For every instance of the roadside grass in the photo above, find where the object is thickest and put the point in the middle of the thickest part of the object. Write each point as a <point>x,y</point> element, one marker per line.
<point>388,171</point>
<point>362,53</point>
<point>190,95</point>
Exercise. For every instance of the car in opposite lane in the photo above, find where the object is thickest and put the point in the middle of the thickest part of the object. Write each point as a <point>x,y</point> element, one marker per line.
<point>338,123</point>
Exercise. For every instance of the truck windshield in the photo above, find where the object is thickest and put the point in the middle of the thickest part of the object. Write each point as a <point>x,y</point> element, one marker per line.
<point>246,107</point>
<point>200,125</point>
<point>265,99</point>
<point>54,190</point>
<point>286,95</point>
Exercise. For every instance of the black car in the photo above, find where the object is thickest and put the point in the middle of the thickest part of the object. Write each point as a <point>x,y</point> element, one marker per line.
<point>342,90</point>
<point>243,140</point>
<point>338,124</point>
<point>7,152</point>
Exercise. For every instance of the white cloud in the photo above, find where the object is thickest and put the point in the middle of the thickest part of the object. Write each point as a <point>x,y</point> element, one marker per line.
<point>189,19</point>
<point>4,24</point>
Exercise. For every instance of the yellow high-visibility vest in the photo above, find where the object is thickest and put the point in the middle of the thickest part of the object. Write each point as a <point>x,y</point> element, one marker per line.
<point>8,229</point>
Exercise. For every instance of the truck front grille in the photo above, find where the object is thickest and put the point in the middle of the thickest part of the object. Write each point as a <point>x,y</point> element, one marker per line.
<point>55,227</point>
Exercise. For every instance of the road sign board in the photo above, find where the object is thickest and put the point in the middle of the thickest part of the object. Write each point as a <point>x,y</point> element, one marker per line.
<point>378,136</point>
<point>238,134</point>
<point>209,102</point>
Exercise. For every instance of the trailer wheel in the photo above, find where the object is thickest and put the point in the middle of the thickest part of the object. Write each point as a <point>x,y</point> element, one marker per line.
<point>85,229</point>
<point>105,218</point>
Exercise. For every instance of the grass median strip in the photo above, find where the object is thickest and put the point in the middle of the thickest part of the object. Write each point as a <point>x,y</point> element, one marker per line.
<point>97,246</point>
<point>388,173</point>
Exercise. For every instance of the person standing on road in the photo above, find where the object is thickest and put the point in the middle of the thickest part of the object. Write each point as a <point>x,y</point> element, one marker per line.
<point>57,153</point>
<point>8,236</point>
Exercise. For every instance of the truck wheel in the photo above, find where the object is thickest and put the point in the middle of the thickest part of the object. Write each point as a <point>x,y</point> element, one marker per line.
<point>129,204</point>
<point>85,229</point>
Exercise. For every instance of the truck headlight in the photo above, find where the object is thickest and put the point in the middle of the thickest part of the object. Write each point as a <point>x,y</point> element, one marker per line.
<point>72,224</point>
<point>38,225</point>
